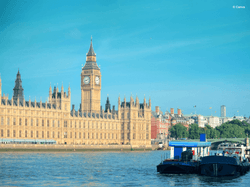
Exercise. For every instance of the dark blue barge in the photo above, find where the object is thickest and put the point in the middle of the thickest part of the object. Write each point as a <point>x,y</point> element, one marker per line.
<point>184,157</point>
<point>177,167</point>
<point>232,163</point>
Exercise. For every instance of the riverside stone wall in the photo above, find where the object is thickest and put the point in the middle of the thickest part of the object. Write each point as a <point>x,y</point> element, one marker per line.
<point>72,147</point>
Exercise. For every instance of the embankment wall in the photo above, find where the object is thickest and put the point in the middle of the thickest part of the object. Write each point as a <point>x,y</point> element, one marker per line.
<point>42,147</point>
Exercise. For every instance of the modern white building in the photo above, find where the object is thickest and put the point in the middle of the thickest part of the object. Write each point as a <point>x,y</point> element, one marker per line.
<point>223,111</point>
<point>213,121</point>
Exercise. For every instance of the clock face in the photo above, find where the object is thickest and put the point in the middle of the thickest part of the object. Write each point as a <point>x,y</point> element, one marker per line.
<point>97,80</point>
<point>86,80</point>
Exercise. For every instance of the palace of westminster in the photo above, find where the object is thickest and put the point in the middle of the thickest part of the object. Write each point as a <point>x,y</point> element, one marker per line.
<point>90,125</point>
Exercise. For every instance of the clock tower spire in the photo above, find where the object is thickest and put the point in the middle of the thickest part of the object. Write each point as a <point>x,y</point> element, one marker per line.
<point>91,83</point>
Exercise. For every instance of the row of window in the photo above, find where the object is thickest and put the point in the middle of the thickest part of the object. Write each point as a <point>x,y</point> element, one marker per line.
<point>140,127</point>
<point>128,115</point>
<point>37,134</point>
<point>141,136</point>
<point>48,114</point>
<point>55,123</point>
<point>32,113</point>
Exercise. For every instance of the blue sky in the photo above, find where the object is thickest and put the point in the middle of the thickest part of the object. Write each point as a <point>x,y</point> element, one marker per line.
<point>179,53</point>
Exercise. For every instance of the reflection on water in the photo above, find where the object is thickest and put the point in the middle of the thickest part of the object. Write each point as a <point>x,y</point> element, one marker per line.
<point>98,169</point>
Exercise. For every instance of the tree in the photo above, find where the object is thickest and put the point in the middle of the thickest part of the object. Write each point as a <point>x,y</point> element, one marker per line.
<point>232,129</point>
<point>178,131</point>
<point>194,131</point>
<point>208,131</point>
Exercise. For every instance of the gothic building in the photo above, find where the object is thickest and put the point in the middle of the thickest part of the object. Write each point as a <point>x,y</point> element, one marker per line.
<point>55,120</point>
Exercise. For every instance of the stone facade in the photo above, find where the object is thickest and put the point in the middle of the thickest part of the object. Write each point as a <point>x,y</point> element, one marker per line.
<point>90,125</point>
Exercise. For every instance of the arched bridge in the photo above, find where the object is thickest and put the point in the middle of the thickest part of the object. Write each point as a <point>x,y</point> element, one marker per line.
<point>216,142</point>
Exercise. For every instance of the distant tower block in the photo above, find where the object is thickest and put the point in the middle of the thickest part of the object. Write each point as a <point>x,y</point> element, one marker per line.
<point>223,111</point>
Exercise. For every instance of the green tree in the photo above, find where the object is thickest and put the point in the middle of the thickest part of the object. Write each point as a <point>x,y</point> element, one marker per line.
<point>208,131</point>
<point>178,131</point>
<point>194,131</point>
<point>232,129</point>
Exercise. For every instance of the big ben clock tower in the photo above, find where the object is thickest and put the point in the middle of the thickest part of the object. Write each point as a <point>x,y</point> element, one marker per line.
<point>91,83</point>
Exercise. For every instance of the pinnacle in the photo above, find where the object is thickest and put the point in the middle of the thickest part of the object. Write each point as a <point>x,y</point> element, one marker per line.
<point>91,50</point>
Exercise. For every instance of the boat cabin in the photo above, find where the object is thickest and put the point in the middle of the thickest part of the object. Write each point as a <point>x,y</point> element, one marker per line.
<point>199,149</point>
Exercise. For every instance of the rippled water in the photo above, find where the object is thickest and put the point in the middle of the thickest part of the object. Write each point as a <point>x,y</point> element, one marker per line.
<point>97,169</point>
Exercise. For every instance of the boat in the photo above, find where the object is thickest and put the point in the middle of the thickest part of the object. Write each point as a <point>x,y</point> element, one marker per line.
<point>178,166</point>
<point>234,161</point>
<point>184,157</point>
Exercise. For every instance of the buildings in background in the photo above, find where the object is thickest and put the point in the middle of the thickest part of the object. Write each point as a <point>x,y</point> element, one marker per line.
<point>213,121</point>
<point>223,111</point>
<point>161,122</point>
<point>55,120</point>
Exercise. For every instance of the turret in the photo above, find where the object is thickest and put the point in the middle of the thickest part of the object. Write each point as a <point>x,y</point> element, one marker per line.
<point>59,99</point>
<point>137,101</point>
<point>55,96</point>
<point>107,106</point>
<point>41,103</point>
<point>131,101</point>
<point>119,101</point>
<point>55,92</point>
<point>124,101</point>
<point>50,93</point>
<point>69,92</point>
<point>113,110</point>
<point>119,107</point>
<point>144,101</point>
<point>62,91</point>
<point>149,103</point>
<point>18,89</point>
<point>35,102</point>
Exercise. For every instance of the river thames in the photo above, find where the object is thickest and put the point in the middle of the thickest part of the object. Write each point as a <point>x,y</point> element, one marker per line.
<point>98,169</point>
